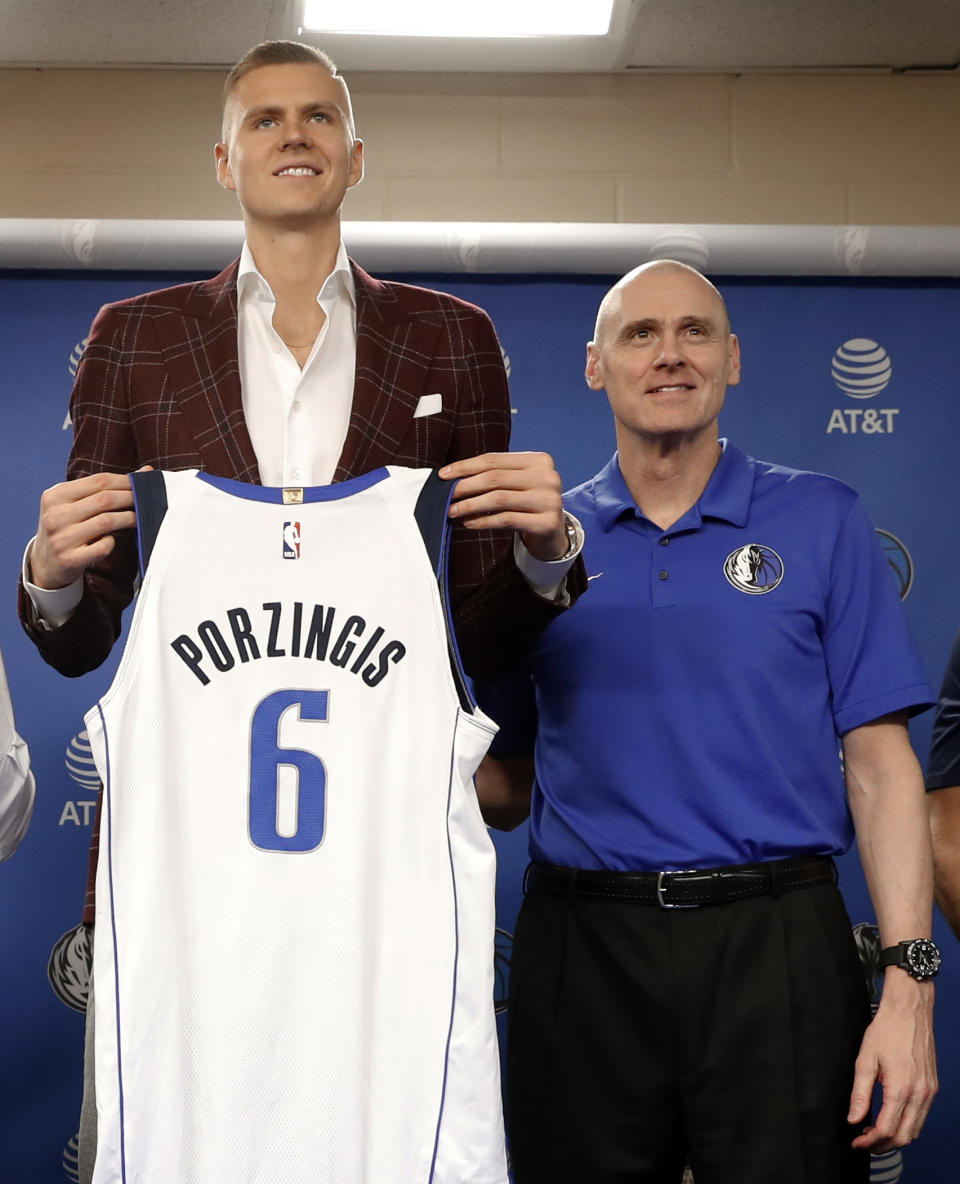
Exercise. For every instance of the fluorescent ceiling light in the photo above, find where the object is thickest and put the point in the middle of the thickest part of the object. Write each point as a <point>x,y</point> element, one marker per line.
<point>446,18</point>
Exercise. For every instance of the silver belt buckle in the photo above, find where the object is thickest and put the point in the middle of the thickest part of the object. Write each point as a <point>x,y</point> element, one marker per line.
<point>664,904</point>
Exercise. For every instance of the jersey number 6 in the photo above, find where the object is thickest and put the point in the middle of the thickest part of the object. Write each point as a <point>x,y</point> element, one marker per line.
<point>266,758</point>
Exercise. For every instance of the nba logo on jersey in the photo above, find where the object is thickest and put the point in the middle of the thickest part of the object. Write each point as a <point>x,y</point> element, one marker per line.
<point>291,540</point>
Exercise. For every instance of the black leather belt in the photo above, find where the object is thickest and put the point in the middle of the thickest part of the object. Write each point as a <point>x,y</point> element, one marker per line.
<point>683,889</point>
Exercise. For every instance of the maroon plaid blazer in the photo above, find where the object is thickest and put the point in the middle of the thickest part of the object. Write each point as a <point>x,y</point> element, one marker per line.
<point>159,384</point>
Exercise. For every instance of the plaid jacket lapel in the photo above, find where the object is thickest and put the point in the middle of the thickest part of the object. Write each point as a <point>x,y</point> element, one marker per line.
<point>394,355</point>
<point>199,344</point>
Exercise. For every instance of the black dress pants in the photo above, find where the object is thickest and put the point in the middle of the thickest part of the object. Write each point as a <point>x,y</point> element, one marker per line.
<point>640,1038</point>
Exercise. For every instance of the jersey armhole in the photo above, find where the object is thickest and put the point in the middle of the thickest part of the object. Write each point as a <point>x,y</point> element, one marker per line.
<point>431,515</point>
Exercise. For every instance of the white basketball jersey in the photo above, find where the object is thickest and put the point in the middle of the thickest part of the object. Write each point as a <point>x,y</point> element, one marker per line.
<point>295,892</point>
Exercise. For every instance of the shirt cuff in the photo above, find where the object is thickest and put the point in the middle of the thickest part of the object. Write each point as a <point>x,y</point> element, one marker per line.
<point>53,606</point>
<point>548,576</point>
<point>17,792</point>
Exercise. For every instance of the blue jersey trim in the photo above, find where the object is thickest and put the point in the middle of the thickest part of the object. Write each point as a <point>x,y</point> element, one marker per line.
<point>456,960</point>
<point>467,701</point>
<point>432,518</point>
<point>311,493</point>
<point>113,925</point>
<point>150,505</point>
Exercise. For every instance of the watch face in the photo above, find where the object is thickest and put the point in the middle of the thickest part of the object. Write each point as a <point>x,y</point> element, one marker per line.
<point>923,958</point>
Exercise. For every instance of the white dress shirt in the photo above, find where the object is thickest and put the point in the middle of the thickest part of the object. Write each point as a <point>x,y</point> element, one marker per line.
<point>17,789</point>
<point>297,419</point>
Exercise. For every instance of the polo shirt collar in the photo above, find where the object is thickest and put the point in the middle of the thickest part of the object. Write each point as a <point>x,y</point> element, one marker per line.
<point>727,495</point>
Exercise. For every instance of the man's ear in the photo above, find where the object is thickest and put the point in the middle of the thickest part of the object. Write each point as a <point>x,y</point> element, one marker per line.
<point>733,376</point>
<point>222,165</point>
<point>593,372</point>
<point>356,164</point>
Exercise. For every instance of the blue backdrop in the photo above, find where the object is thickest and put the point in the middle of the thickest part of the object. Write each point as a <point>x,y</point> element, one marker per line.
<point>894,444</point>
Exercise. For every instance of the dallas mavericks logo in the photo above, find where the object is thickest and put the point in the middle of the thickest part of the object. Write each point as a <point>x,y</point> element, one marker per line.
<point>861,368</point>
<point>685,246</point>
<point>291,540</point>
<point>77,240</point>
<point>850,245</point>
<point>79,762</point>
<point>867,938</point>
<point>899,559</point>
<point>69,968</point>
<point>753,569</point>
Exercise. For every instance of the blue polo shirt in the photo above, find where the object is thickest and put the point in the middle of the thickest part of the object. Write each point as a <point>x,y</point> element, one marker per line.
<point>689,707</point>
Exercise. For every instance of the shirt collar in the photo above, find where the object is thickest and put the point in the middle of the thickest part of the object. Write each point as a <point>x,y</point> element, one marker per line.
<point>250,282</point>
<point>727,495</point>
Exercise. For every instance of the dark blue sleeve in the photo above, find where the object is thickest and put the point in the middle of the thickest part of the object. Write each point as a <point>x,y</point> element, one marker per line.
<point>944,767</point>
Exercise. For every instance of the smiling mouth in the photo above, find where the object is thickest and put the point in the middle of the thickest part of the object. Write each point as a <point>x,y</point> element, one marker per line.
<point>670,388</point>
<point>297,171</point>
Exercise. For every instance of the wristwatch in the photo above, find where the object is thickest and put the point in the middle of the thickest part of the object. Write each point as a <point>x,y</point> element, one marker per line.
<point>574,533</point>
<point>919,958</point>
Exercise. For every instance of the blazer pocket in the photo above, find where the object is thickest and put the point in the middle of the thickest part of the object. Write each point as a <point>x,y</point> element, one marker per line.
<point>428,405</point>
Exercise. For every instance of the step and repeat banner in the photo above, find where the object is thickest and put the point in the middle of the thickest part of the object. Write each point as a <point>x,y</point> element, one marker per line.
<point>859,378</point>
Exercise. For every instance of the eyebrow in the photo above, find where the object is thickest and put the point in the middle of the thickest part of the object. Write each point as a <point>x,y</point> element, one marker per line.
<point>273,110</point>
<point>684,322</point>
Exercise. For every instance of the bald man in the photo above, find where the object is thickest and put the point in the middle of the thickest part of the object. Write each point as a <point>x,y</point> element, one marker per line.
<point>685,985</point>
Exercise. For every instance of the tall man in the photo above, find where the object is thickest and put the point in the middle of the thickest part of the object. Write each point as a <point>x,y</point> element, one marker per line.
<point>741,628</point>
<point>293,367</point>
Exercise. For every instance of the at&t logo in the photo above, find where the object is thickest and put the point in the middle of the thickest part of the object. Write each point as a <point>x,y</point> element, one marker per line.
<point>72,363</point>
<point>861,368</point>
<point>82,770</point>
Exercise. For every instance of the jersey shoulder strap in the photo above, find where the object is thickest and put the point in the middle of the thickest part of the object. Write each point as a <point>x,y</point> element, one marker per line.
<point>431,515</point>
<point>150,504</point>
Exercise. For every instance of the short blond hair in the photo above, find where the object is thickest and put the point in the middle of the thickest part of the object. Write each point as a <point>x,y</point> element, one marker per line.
<point>275,53</point>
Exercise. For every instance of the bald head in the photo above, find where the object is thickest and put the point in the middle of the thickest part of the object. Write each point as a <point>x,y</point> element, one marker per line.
<point>645,276</point>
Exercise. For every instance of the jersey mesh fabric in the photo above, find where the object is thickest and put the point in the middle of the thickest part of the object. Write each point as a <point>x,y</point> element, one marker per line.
<point>295,919</point>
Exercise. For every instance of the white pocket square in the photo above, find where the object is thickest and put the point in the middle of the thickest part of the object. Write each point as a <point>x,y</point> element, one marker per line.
<point>428,405</point>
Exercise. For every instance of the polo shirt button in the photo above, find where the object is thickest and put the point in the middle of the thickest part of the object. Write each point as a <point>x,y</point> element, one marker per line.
<point>664,542</point>
<point>664,575</point>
